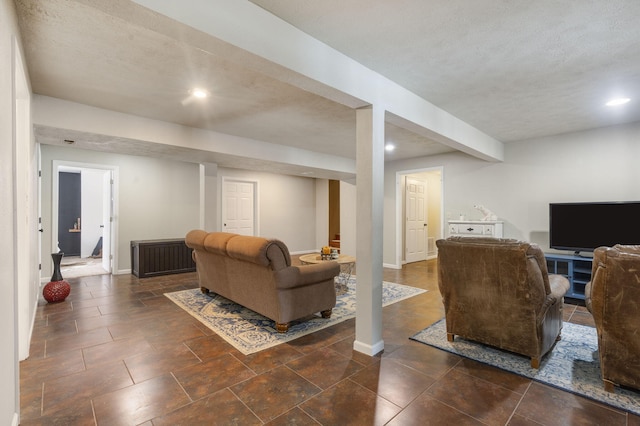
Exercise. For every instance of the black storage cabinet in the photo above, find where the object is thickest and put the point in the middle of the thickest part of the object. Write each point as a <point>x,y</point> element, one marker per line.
<point>150,258</point>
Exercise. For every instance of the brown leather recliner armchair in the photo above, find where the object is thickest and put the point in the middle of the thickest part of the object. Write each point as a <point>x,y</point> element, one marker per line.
<point>613,298</point>
<point>498,292</point>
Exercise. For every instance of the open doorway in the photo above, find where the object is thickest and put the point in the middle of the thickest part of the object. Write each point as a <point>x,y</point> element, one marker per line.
<point>419,213</point>
<point>334,214</point>
<point>82,222</point>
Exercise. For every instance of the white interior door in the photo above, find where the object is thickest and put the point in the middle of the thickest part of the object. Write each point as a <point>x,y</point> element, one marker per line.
<point>238,207</point>
<point>416,222</point>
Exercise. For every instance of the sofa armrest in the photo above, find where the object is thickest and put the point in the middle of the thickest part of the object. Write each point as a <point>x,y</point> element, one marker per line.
<point>559,285</point>
<point>587,297</point>
<point>300,276</point>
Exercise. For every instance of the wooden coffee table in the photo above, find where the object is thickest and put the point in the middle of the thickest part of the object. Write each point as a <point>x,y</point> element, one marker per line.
<point>346,263</point>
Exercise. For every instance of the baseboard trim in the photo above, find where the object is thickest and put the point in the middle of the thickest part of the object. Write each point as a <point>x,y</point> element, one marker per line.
<point>301,252</point>
<point>367,349</point>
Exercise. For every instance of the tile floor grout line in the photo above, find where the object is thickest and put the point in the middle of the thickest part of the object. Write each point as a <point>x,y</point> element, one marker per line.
<point>515,409</point>
<point>93,411</point>
<point>245,404</point>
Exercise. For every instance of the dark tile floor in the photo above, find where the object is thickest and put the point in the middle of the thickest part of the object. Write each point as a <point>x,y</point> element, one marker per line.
<point>117,352</point>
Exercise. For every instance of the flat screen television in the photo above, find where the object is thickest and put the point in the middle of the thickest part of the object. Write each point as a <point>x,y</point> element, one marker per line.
<point>587,226</point>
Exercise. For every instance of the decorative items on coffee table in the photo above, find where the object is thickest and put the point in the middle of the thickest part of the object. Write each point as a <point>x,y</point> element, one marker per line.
<point>346,263</point>
<point>57,289</point>
<point>329,253</point>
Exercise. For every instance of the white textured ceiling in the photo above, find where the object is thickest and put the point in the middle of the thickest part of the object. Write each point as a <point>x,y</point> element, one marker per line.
<point>513,69</point>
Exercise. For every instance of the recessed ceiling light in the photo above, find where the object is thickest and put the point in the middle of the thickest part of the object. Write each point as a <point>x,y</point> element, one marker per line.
<point>200,93</point>
<point>618,101</point>
<point>389,147</point>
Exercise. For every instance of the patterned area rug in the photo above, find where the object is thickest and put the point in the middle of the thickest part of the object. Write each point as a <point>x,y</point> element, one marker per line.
<point>250,332</point>
<point>572,365</point>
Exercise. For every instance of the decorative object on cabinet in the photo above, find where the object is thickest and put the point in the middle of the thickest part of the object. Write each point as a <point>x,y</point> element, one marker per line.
<point>57,289</point>
<point>476,228</point>
<point>487,214</point>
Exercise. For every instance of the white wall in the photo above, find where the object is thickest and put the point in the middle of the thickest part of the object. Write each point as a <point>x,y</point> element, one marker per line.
<point>161,199</point>
<point>348,218</point>
<point>596,165</point>
<point>157,198</point>
<point>287,207</point>
<point>209,209</point>
<point>26,207</point>
<point>9,370</point>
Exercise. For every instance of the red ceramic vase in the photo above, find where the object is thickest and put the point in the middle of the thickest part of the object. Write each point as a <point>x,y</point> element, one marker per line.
<point>56,291</point>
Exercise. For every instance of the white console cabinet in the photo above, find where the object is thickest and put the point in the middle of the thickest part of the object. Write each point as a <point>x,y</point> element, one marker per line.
<point>475,228</point>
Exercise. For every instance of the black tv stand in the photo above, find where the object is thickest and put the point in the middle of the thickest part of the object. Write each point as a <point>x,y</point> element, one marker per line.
<point>576,268</point>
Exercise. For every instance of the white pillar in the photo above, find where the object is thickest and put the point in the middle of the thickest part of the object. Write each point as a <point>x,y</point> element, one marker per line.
<point>369,207</point>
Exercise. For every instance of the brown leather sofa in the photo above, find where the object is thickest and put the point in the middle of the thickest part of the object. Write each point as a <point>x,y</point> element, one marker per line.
<point>256,273</point>
<point>497,292</point>
<point>613,298</point>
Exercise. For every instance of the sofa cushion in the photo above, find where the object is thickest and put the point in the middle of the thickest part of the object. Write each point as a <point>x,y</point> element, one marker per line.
<point>249,249</point>
<point>195,239</point>
<point>217,242</point>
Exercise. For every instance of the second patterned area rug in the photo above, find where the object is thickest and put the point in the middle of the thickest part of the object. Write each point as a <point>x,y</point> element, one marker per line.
<point>572,365</point>
<point>250,332</point>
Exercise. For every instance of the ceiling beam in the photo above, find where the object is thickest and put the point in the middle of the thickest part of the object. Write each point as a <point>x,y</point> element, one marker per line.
<point>110,131</point>
<point>258,32</point>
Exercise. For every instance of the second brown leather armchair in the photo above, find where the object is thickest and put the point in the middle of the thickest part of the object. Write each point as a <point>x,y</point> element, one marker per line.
<point>613,298</point>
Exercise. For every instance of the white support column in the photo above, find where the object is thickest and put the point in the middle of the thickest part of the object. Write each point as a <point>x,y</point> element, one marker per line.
<point>369,208</point>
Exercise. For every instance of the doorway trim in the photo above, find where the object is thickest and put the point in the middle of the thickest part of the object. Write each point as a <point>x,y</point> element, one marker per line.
<point>399,233</point>
<point>55,169</point>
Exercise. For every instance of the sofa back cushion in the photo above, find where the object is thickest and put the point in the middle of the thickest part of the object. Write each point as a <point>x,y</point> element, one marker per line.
<point>258,250</point>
